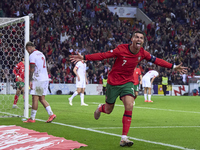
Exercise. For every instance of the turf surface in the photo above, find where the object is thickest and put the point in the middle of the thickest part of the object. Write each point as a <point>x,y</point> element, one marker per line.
<point>169,123</point>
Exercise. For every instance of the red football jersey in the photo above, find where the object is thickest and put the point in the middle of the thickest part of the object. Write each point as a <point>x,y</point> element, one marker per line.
<point>136,75</point>
<point>125,63</point>
<point>19,71</point>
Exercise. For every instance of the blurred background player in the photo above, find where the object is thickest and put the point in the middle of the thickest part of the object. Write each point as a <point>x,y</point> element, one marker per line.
<point>147,82</point>
<point>198,81</point>
<point>81,81</point>
<point>19,73</point>
<point>164,83</point>
<point>105,78</point>
<point>39,81</point>
<point>50,81</point>
<point>137,82</point>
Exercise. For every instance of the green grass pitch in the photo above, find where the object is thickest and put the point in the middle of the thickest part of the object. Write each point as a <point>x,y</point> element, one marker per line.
<point>169,123</point>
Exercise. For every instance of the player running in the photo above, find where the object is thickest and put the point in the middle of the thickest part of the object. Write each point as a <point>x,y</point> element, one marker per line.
<point>19,73</point>
<point>147,82</point>
<point>120,78</point>
<point>81,81</point>
<point>39,81</point>
<point>137,82</point>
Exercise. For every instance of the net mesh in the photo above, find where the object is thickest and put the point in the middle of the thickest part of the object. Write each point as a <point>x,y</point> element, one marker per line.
<point>12,39</point>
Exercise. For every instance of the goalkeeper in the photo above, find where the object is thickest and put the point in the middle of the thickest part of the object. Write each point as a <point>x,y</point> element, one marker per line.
<point>19,73</point>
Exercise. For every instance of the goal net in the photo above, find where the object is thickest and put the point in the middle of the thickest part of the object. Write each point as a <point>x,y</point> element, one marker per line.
<point>193,85</point>
<point>14,34</point>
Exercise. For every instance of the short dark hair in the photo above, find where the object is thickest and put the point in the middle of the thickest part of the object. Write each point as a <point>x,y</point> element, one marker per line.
<point>138,31</point>
<point>29,44</point>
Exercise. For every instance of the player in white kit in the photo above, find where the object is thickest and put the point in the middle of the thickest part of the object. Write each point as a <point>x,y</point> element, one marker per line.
<point>81,81</point>
<point>147,81</point>
<point>39,81</point>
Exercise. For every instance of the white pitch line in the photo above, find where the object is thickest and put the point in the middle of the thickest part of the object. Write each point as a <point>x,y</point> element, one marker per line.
<point>158,109</point>
<point>117,135</point>
<point>148,127</point>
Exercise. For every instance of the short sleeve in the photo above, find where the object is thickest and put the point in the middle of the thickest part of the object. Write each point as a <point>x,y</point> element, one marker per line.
<point>31,59</point>
<point>157,74</point>
<point>77,65</point>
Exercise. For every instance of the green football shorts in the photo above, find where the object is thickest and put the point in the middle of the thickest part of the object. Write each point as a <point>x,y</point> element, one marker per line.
<point>113,91</point>
<point>20,85</point>
<point>136,88</point>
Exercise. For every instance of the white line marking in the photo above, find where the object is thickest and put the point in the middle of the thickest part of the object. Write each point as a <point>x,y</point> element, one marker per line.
<point>148,127</point>
<point>158,109</point>
<point>117,135</point>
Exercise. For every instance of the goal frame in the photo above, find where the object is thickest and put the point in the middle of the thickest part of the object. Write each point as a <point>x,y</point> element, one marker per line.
<point>26,80</point>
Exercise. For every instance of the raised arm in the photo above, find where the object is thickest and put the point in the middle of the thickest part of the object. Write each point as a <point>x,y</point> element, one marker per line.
<point>96,56</point>
<point>163,63</point>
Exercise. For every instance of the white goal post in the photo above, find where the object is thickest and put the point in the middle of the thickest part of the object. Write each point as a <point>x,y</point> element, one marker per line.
<point>14,34</point>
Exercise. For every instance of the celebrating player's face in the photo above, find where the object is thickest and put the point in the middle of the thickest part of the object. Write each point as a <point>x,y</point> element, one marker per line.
<point>137,40</point>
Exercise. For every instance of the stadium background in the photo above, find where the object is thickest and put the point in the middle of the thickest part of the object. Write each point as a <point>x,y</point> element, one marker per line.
<point>63,27</point>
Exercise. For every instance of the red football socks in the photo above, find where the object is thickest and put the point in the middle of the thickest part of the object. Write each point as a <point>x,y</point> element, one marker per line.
<point>102,108</point>
<point>15,100</point>
<point>126,122</point>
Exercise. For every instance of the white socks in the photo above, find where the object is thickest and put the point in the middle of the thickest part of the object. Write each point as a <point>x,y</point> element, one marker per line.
<point>82,98</point>
<point>49,111</point>
<point>145,96</point>
<point>149,97</point>
<point>33,114</point>
<point>124,137</point>
<point>75,93</point>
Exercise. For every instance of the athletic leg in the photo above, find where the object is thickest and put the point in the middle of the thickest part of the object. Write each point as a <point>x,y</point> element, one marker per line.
<point>48,108</point>
<point>149,95</point>
<point>16,98</point>
<point>145,94</point>
<point>34,109</point>
<point>78,90</point>
<point>128,104</point>
<point>82,97</point>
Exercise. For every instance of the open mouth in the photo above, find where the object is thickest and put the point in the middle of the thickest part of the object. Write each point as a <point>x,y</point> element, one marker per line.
<point>138,44</point>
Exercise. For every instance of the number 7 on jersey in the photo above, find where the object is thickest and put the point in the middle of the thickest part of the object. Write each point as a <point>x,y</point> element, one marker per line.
<point>124,61</point>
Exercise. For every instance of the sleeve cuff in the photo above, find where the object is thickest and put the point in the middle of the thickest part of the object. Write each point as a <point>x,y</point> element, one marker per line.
<point>173,66</point>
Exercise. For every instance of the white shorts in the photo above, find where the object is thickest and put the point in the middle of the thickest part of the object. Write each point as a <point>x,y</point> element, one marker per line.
<point>146,82</point>
<point>81,83</point>
<point>39,88</point>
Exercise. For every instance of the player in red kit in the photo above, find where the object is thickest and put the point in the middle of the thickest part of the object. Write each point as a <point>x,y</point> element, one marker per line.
<point>19,73</point>
<point>137,82</point>
<point>120,79</point>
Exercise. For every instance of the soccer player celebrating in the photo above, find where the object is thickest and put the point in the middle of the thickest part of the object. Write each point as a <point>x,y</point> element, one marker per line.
<point>147,82</point>
<point>136,75</point>
<point>120,78</point>
<point>81,81</point>
<point>39,81</point>
<point>19,73</point>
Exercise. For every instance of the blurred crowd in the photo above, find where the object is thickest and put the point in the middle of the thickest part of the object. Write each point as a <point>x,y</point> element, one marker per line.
<point>63,27</point>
